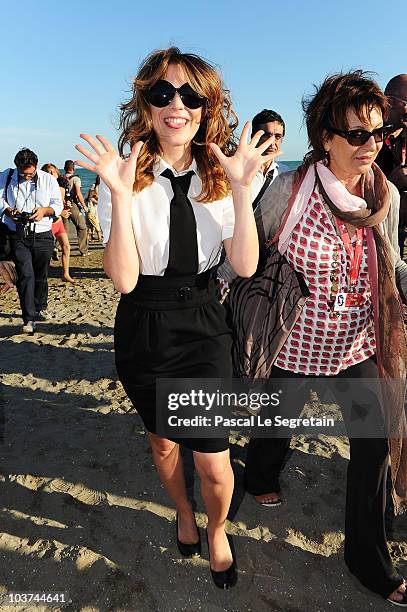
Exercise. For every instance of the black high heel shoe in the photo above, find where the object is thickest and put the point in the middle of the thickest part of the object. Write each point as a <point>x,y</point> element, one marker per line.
<point>188,550</point>
<point>225,579</point>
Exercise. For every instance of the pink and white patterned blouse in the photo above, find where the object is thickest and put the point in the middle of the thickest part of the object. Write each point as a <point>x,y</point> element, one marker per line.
<point>319,343</point>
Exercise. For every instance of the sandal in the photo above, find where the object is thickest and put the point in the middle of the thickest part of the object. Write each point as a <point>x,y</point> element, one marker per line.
<point>403,602</point>
<point>268,499</point>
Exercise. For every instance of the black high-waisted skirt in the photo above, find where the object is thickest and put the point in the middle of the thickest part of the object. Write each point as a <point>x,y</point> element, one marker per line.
<point>171,328</point>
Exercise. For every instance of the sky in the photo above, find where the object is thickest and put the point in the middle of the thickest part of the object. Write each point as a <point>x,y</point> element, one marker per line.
<point>68,66</point>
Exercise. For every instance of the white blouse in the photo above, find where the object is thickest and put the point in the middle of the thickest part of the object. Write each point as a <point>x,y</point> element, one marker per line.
<point>151,221</point>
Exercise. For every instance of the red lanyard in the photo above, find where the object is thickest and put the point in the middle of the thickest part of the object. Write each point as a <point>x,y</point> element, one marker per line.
<point>355,254</point>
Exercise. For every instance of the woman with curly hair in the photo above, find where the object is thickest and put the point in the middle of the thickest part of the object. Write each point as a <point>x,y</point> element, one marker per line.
<point>166,212</point>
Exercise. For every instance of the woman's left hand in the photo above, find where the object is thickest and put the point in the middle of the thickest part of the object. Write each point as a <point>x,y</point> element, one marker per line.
<point>241,168</point>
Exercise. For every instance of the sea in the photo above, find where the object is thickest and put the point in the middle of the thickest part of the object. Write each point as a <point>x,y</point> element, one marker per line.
<point>293,165</point>
<point>88,178</point>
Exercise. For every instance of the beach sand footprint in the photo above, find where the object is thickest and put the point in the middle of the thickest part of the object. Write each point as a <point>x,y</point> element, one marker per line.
<point>78,491</point>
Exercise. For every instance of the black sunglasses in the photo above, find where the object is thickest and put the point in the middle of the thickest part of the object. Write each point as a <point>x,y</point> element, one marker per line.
<point>403,102</point>
<point>359,137</point>
<point>162,93</point>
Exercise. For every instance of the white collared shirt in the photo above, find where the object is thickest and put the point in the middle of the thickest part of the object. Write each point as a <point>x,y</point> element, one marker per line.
<point>151,221</point>
<point>26,195</point>
<point>260,177</point>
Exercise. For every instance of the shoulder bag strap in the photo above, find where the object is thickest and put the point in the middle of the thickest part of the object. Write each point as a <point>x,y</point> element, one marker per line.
<point>266,183</point>
<point>6,186</point>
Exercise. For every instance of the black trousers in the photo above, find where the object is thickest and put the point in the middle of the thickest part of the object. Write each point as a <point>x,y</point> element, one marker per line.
<point>31,256</point>
<point>366,552</point>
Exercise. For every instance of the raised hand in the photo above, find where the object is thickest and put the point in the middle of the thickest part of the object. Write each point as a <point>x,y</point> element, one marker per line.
<point>241,168</point>
<point>116,172</point>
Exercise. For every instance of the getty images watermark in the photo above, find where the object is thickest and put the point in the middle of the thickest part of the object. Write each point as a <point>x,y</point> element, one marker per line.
<point>218,400</point>
<point>210,408</point>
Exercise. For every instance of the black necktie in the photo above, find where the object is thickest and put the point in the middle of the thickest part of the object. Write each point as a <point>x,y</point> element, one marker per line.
<point>270,174</point>
<point>183,247</point>
<point>266,183</point>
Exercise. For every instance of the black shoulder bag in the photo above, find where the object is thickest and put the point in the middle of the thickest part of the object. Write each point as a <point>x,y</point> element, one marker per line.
<point>5,242</point>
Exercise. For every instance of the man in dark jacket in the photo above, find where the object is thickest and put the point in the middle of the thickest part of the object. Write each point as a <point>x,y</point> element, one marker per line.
<point>392,157</point>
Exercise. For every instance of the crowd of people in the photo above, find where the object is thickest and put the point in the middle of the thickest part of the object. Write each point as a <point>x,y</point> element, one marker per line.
<point>319,249</point>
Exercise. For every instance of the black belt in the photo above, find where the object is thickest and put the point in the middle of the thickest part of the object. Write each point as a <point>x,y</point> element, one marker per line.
<point>46,233</point>
<point>182,288</point>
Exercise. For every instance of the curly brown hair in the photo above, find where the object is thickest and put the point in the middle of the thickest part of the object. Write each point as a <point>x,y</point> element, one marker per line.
<point>218,120</point>
<point>329,105</point>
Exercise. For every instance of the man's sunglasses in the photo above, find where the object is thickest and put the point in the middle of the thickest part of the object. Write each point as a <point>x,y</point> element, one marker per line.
<point>403,102</point>
<point>27,174</point>
<point>359,137</point>
<point>162,93</point>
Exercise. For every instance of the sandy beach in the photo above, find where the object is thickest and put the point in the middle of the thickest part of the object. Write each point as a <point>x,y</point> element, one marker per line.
<point>82,509</point>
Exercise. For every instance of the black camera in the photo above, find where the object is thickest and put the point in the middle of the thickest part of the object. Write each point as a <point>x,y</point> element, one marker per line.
<point>22,221</point>
<point>22,217</point>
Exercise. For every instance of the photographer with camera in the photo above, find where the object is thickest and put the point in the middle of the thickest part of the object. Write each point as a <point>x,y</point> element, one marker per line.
<point>29,199</point>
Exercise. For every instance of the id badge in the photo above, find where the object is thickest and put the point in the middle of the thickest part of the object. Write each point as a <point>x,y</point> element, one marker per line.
<point>348,301</point>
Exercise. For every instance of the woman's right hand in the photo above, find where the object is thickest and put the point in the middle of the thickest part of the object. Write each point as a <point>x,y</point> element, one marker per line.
<point>116,172</point>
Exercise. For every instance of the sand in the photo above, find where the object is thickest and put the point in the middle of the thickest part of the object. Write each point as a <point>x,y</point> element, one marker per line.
<point>82,510</point>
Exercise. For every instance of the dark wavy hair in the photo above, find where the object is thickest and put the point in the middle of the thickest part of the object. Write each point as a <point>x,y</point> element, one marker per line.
<point>25,158</point>
<point>266,116</point>
<point>329,105</point>
<point>218,120</point>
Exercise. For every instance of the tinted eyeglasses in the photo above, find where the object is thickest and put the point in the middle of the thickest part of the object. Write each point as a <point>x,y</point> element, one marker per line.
<point>359,137</point>
<point>403,102</point>
<point>162,93</point>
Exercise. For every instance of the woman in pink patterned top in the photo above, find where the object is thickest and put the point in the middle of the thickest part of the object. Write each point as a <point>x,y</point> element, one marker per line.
<point>335,220</point>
